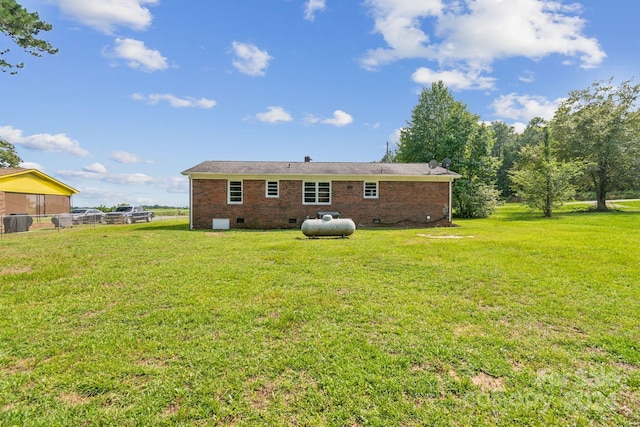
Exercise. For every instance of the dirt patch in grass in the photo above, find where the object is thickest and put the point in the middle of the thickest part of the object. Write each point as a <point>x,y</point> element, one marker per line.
<point>15,270</point>
<point>431,236</point>
<point>152,362</point>
<point>172,408</point>
<point>629,405</point>
<point>469,331</point>
<point>92,313</point>
<point>73,399</point>
<point>8,407</point>
<point>286,389</point>
<point>488,383</point>
<point>262,397</point>
<point>22,365</point>
<point>214,234</point>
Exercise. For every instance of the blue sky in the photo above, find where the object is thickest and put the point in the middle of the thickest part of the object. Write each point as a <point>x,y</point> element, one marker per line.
<point>144,89</point>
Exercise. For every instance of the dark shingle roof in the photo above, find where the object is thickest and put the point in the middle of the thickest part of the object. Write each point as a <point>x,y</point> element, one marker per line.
<point>315,168</point>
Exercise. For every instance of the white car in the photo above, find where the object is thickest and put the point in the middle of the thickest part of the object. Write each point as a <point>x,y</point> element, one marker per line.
<point>87,216</point>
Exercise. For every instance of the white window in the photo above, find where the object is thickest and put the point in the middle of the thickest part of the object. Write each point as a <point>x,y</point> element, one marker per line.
<point>273,189</point>
<point>370,190</point>
<point>235,192</point>
<point>316,193</point>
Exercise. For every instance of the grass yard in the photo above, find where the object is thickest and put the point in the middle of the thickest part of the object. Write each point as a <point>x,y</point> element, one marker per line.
<point>512,320</point>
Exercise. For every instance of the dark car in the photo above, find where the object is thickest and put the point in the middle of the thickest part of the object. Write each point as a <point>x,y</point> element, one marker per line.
<point>87,216</point>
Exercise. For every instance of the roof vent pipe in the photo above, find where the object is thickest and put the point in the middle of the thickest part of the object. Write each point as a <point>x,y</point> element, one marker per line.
<point>307,159</point>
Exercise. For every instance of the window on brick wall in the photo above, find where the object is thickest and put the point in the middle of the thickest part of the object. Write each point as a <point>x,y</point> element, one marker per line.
<point>317,193</point>
<point>370,190</point>
<point>273,189</point>
<point>235,192</point>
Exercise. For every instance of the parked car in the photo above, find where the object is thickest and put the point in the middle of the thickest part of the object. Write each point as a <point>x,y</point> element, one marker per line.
<point>129,215</point>
<point>87,216</point>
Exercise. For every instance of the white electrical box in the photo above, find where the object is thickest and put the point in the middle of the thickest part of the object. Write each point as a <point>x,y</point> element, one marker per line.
<point>220,224</point>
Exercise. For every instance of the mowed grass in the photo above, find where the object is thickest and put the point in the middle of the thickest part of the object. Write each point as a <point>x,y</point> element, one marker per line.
<point>512,320</point>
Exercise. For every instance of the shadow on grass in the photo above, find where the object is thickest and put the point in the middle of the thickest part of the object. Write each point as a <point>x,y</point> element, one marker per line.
<point>164,226</point>
<point>537,216</point>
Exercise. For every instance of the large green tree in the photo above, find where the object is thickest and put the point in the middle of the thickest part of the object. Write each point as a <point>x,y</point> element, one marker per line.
<point>539,178</point>
<point>505,149</point>
<point>442,127</point>
<point>8,156</point>
<point>600,126</point>
<point>23,28</point>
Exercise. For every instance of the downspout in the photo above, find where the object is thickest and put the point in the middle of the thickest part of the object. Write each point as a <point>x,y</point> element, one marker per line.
<point>450,199</point>
<point>190,204</point>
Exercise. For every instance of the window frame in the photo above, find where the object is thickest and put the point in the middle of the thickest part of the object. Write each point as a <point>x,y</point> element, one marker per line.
<point>375,190</point>
<point>230,191</point>
<point>321,191</point>
<point>267,188</point>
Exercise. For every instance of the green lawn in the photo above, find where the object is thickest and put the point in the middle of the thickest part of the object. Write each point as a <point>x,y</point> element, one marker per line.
<point>512,320</point>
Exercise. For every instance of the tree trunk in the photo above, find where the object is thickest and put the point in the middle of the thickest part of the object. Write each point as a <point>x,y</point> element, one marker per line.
<point>548,205</point>
<point>601,198</point>
<point>601,194</point>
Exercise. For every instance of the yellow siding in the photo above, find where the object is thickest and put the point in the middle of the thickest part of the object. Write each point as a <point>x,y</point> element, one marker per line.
<point>32,184</point>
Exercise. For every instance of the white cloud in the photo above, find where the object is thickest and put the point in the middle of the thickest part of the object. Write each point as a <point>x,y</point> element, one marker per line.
<point>454,79</point>
<point>137,55</point>
<point>95,168</point>
<point>527,76</point>
<point>394,138</point>
<point>529,28</point>
<point>71,175</point>
<point>518,127</point>
<point>398,21</point>
<point>45,142</point>
<point>313,6</point>
<point>339,119</point>
<point>310,119</point>
<point>100,194</point>
<point>106,15</point>
<point>97,172</point>
<point>472,34</point>
<point>174,101</point>
<point>128,179</point>
<point>125,157</point>
<point>249,59</point>
<point>174,184</point>
<point>31,165</point>
<point>525,107</point>
<point>274,115</point>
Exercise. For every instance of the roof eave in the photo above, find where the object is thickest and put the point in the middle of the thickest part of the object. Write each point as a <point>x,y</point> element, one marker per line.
<point>335,177</point>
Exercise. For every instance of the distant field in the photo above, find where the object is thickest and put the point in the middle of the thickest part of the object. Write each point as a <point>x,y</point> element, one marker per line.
<point>511,320</point>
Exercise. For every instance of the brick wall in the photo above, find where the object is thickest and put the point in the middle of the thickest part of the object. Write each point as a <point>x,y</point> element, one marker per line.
<point>400,204</point>
<point>2,207</point>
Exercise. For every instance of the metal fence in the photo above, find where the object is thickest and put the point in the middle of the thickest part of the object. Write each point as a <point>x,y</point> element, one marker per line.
<point>23,223</point>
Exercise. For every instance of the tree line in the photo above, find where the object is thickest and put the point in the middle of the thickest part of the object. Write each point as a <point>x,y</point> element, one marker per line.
<point>592,144</point>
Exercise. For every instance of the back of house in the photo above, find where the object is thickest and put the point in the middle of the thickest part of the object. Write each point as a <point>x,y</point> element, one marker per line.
<point>279,195</point>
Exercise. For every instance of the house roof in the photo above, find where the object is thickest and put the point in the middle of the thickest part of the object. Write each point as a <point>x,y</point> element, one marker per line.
<point>11,171</point>
<point>410,171</point>
<point>32,181</point>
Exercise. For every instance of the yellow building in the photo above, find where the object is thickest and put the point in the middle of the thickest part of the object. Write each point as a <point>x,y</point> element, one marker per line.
<point>29,191</point>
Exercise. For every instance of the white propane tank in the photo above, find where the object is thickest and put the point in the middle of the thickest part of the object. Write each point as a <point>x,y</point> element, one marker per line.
<point>328,226</point>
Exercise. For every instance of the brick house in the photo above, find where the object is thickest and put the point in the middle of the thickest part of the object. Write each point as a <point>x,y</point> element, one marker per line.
<point>274,195</point>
